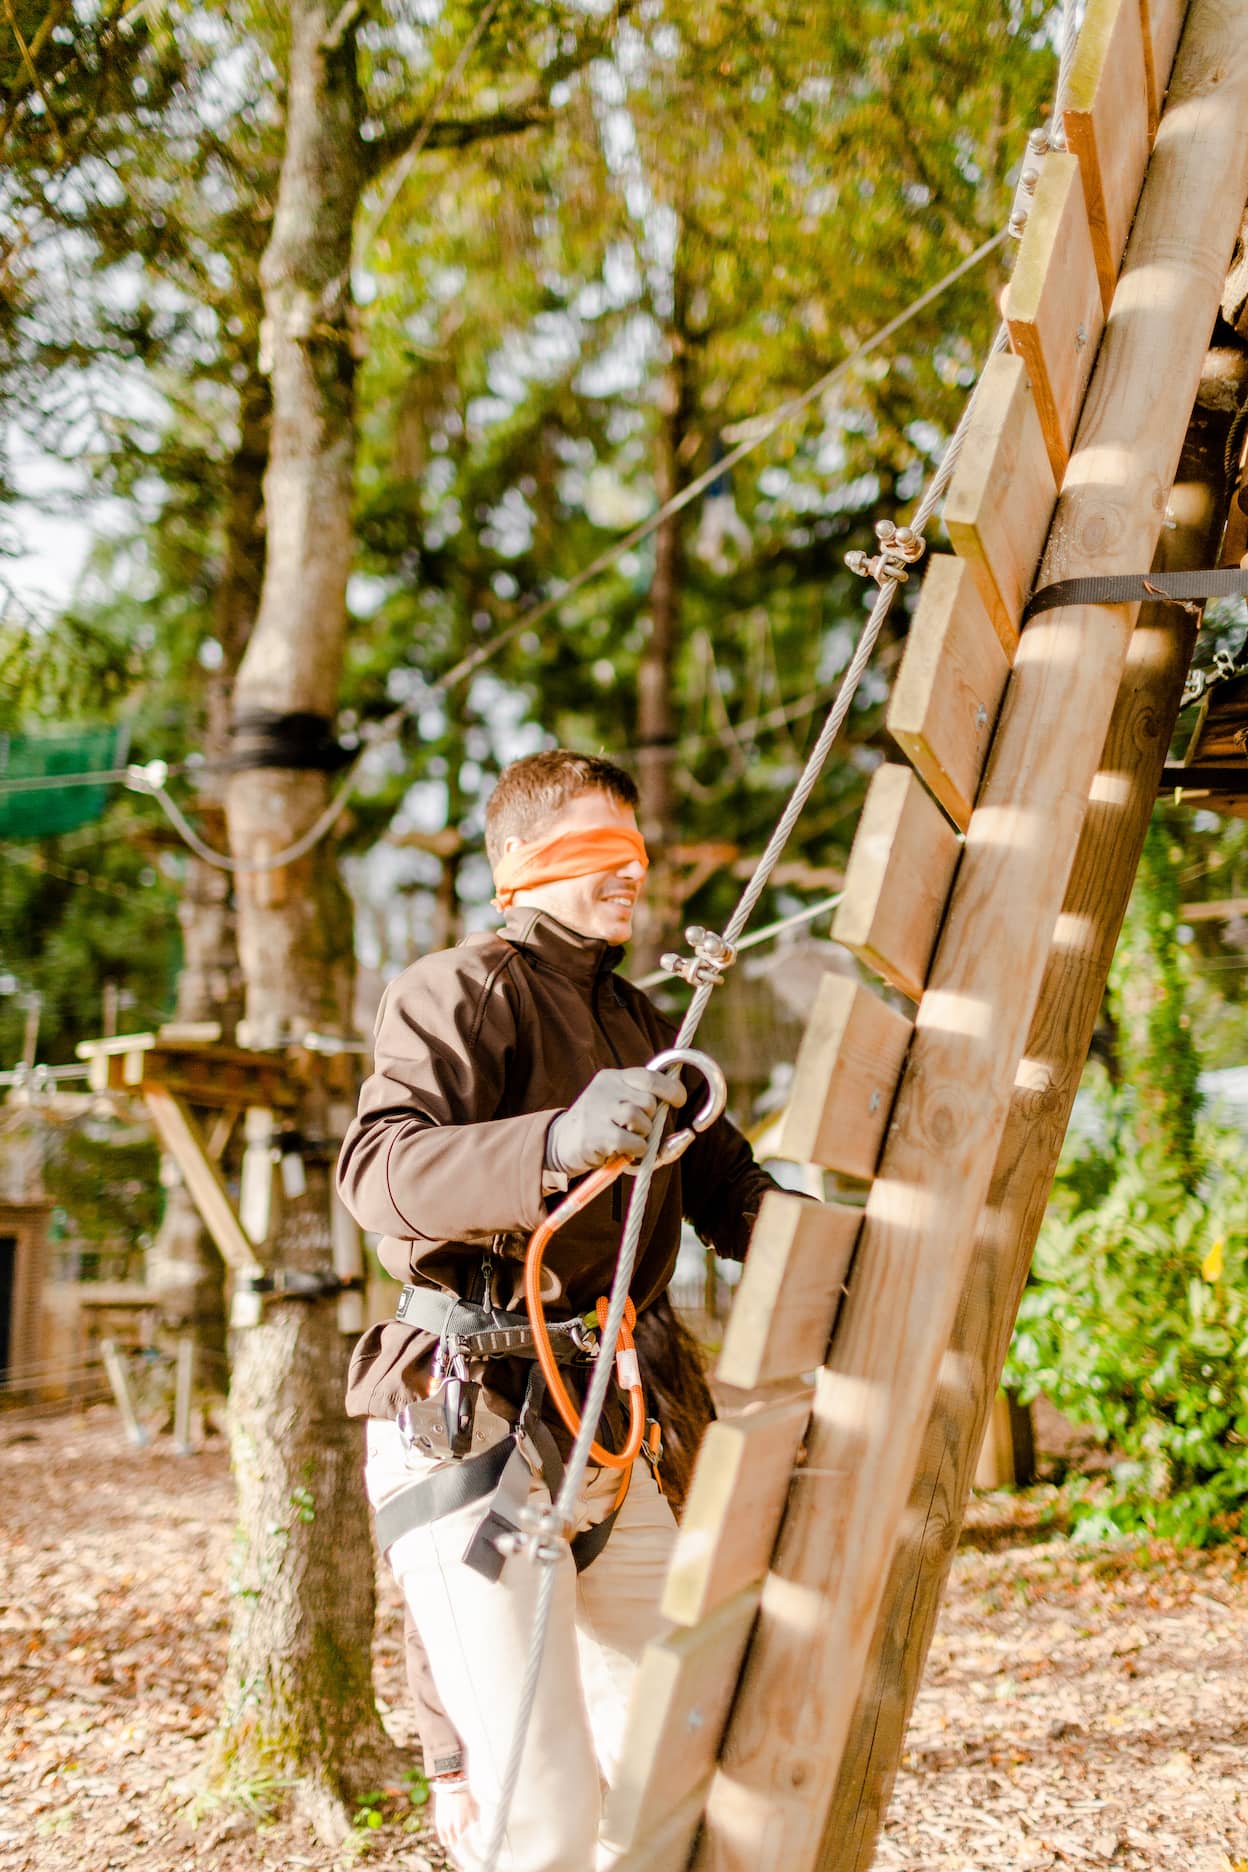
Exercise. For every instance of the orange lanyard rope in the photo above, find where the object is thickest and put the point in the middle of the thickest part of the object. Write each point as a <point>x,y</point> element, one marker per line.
<point>627,1370</point>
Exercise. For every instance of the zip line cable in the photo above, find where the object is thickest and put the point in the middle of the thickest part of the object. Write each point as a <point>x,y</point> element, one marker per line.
<point>151,778</point>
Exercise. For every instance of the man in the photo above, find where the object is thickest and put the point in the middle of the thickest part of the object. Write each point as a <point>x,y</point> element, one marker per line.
<point>504,1070</point>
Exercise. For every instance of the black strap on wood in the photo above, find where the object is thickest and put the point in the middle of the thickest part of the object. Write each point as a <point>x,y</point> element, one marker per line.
<point>1141,588</point>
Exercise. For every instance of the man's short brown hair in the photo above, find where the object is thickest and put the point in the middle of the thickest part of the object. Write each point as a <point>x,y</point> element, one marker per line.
<point>535,789</point>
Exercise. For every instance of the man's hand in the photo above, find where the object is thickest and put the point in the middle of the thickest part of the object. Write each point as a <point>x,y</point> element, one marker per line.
<point>454,1810</point>
<point>612,1118</point>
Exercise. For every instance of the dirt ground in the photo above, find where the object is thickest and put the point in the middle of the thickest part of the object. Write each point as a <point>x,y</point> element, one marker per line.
<point>1082,1707</point>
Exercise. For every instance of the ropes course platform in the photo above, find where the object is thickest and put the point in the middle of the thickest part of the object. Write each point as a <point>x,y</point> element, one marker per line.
<point>986,887</point>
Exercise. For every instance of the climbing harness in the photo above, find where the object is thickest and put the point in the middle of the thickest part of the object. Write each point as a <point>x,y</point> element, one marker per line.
<point>483,1457</point>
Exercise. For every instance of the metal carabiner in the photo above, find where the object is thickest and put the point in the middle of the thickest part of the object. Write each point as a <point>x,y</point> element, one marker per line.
<point>716,1098</point>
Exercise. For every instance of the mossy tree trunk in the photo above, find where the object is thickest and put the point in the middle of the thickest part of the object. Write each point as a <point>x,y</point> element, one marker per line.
<point>299,1709</point>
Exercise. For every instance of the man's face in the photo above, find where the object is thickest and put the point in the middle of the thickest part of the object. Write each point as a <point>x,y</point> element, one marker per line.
<point>601,904</point>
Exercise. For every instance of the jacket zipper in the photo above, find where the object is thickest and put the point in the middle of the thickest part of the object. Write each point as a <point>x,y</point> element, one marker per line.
<point>617,1194</point>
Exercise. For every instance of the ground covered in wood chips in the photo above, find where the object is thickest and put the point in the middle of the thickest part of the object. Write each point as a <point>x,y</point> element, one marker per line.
<point>1083,1707</point>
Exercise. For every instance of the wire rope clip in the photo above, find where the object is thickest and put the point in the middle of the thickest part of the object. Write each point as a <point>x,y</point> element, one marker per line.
<point>713,1107</point>
<point>705,967</point>
<point>149,778</point>
<point>540,1534</point>
<point>899,547</point>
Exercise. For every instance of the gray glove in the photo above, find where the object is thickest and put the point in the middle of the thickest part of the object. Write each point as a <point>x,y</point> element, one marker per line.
<point>612,1118</point>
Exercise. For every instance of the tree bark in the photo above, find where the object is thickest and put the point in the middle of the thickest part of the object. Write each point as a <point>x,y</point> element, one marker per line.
<point>299,1706</point>
<point>184,1267</point>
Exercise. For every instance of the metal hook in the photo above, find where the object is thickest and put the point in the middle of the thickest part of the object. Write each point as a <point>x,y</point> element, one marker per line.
<point>716,1098</point>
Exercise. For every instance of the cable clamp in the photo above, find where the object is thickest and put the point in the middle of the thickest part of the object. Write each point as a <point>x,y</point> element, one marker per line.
<point>540,1534</point>
<point>148,779</point>
<point>899,547</point>
<point>705,967</point>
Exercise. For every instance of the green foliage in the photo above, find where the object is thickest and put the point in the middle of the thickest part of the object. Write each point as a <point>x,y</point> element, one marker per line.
<point>1137,1324</point>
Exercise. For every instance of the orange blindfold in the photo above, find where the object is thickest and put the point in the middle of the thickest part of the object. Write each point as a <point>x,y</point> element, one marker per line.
<point>566,855</point>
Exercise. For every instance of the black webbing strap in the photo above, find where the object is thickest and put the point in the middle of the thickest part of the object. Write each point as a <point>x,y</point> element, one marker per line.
<point>442,1493</point>
<point>1142,588</point>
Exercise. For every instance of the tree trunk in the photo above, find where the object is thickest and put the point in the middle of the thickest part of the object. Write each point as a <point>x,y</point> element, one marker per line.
<point>184,1267</point>
<point>657,922</point>
<point>299,1705</point>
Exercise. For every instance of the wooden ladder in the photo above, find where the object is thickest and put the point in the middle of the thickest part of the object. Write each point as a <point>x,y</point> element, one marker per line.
<point>986,884</point>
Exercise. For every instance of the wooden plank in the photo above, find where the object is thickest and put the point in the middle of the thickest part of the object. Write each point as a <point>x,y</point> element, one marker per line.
<point>949,687</point>
<point>1109,103</point>
<point>791,1718</point>
<point>897,881</point>
<point>668,1847</point>
<point>684,1686</point>
<point>1040,1104</point>
<point>728,1527</point>
<point>1001,497</point>
<point>1053,305</point>
<point>182,1138</point>
<point>847,1069</point>
<point>789,1291</point>
<point>1163,22</point>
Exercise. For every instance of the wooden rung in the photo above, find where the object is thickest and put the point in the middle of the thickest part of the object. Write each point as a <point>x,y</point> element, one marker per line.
<point>1163,23</point>
<point>897,881</point>
<point>949,687</point>
<point>781,1318</point>
<point>733,1510</point>
<point>1002,494</point>
<point>1109,103</point>
<point>848,1064</point>
<point>1053,307</point>
<point>670,1846</point>
<point>679,1705</point>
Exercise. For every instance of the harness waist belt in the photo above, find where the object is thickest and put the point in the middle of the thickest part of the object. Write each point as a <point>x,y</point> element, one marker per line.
<point>486,1332</point>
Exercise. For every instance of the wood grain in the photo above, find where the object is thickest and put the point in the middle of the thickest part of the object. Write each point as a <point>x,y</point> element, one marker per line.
<point>1001,497</point>
<point>1108,114</point>
<point>789,1291</point>
<point>897,881</point>
<point>948,689</point>
<point>728,1527</point>
<point>1053,305</point>
<point>684,1686</point>
<point>792,1716</point>
<point>1163,22</point>
<point>844,1078</point>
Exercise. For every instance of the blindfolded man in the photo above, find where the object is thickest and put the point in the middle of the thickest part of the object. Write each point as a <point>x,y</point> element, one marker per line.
<point>506,1069</point>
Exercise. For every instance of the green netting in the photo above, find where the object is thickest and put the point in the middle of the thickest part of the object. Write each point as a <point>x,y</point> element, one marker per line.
<point>47,811</point>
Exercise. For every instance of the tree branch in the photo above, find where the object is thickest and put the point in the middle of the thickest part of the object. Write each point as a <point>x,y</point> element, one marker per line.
<point>532,109</point>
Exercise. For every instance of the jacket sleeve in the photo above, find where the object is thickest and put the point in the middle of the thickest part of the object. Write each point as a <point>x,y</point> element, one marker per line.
<point>426,1158</point>
<point>723,1188</point>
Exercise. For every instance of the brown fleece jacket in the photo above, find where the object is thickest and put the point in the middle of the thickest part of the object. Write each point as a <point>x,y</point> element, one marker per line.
<point>478,1049</point>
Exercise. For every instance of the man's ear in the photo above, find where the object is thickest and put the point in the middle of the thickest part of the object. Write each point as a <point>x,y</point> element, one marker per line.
<point>510,843</point>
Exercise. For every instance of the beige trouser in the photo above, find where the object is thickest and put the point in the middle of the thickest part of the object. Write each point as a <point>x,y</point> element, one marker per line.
<point>477,1636</point>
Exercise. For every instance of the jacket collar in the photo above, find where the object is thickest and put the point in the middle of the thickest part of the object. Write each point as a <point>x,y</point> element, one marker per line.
<point>552,942</point>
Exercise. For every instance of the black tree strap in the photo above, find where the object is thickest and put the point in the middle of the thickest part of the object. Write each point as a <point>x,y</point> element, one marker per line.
<point>265,738</point>
<point>1142,588</point>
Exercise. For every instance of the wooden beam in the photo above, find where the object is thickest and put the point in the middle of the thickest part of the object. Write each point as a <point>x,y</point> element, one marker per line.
<point>685,1684</point>
<point>1053,304</point>
<point>184,1141</point>
<point>1001,497</point>
<point>1109,106</point>
<point>901,862</point>
<point>1163,22</point>
<point>846,1073</point>
<point>789,1291</point>
<point>953,674</point>
<point>1215,910</point>
<point>1044,1091</point>
<point>667,1846</point>
<point>733,1509</point>
<point>793,1713</point>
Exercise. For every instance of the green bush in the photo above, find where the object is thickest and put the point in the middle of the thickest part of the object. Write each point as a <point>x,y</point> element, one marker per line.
<point>1136,1325</point>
